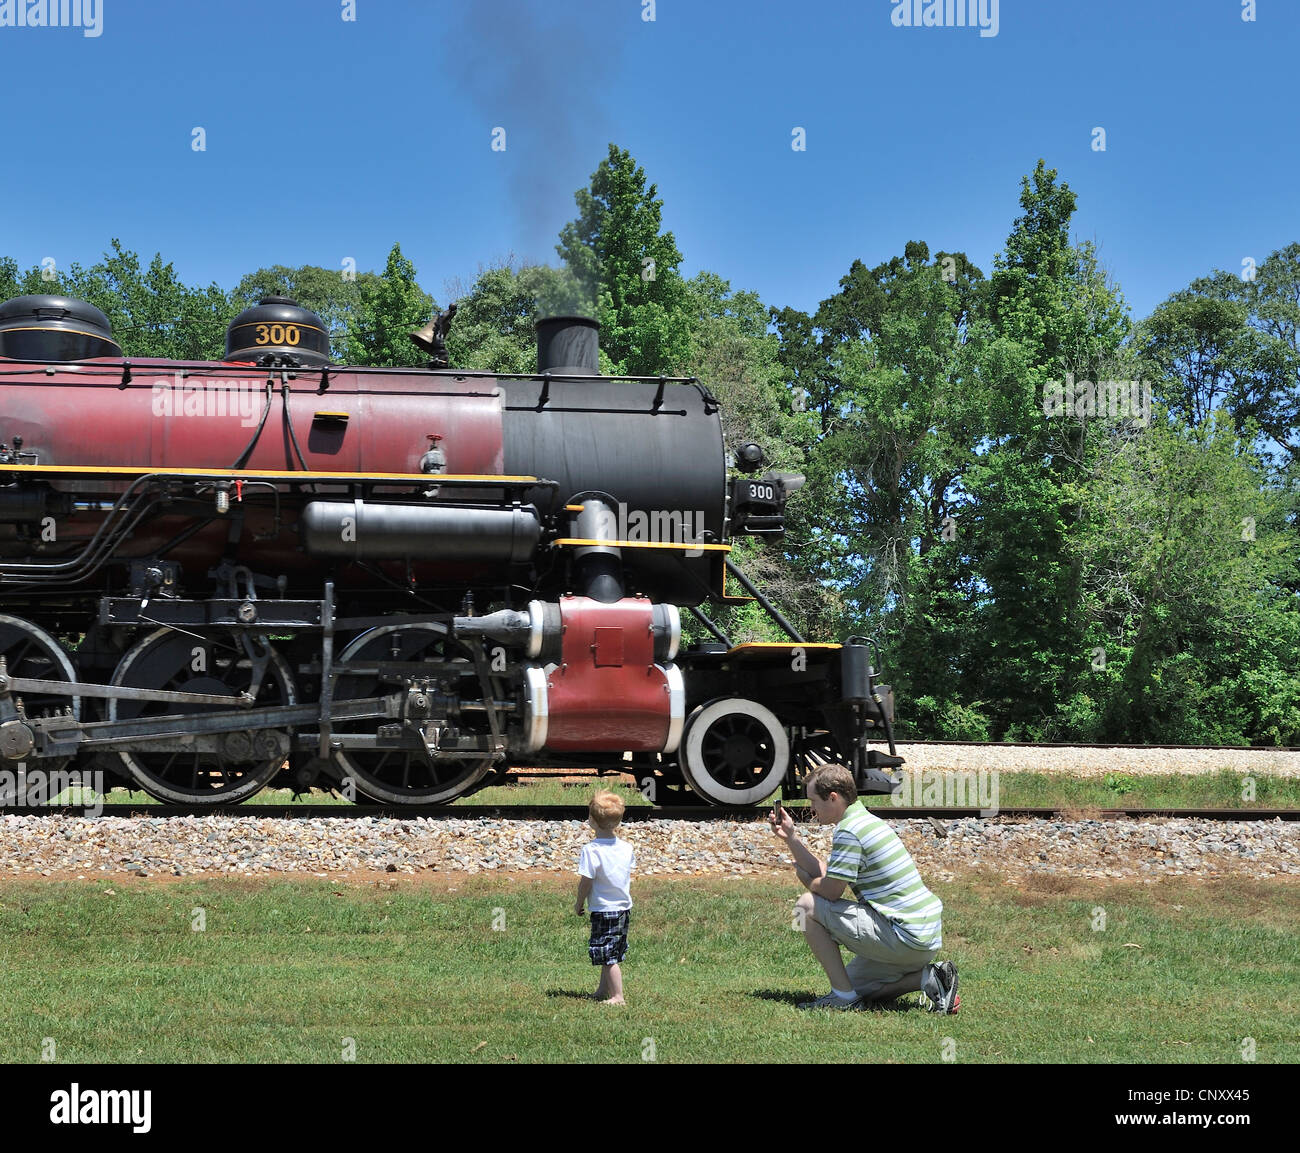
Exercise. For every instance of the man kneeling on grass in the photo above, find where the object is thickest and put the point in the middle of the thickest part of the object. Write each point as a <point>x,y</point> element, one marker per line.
<point>893,924</point>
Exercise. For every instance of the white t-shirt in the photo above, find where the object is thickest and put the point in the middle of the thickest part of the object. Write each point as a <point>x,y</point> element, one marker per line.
<point>608,862</point>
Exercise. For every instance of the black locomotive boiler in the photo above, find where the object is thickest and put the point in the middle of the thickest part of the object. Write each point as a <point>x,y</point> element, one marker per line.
<point>393,582</point>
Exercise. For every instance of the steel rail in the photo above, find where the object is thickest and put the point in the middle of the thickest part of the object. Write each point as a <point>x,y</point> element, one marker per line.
<point>1111,745</point>
<point>1072,814</point>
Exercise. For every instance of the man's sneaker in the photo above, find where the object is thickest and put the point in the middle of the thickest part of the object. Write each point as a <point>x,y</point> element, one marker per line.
<point>831,1001</point>
<point>939,984</point>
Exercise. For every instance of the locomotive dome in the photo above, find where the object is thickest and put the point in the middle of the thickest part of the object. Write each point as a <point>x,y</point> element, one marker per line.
<point>54,328</point>
<point>278,330</point>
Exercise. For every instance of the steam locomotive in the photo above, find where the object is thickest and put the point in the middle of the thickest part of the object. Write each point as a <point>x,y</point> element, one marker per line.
<point>393,583</point>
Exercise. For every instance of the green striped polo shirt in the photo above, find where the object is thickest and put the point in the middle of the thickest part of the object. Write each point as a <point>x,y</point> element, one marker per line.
<point>867,854</point>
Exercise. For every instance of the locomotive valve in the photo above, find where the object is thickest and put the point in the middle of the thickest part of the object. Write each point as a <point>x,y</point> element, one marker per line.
<point>435,460</point>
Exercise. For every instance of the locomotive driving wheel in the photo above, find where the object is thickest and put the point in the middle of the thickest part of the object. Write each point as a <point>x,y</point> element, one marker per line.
<point>734,751</point>
<point>406,776</point>
<point>220,665</point>
<point>31,653</point>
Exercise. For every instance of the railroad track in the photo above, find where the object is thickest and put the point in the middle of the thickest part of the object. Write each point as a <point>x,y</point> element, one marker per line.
<point>1111,745</point>
<point>639,813</point>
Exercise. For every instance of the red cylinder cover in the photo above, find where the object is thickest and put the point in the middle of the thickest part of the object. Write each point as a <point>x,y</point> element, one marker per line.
<point>607,692</point>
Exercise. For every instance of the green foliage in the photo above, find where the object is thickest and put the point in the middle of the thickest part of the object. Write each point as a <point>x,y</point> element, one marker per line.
<point>878,371</point>
<point>387,311</point>
<point>1184,551</point>
<point>495,325</point>
<point>732,352</point>
<point>950,720</point>
<point>1236,344</point>
<point>1050,313</point>
<point>626,270</point>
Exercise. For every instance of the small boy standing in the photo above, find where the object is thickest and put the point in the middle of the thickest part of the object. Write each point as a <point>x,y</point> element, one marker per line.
<point>605,871</point>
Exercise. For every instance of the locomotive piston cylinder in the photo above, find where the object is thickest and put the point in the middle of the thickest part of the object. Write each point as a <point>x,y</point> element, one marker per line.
<point>364,531</point>
<point>534,630</point>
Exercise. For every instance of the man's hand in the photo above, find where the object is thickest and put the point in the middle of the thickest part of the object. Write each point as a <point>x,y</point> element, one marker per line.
<point>782,823</point>
<point>578,908</point>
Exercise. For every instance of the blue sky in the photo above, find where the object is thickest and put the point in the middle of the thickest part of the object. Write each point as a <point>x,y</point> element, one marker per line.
<point>329,139</point>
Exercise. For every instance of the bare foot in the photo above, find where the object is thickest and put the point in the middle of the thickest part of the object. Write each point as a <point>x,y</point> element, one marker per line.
<point>613,1001</point>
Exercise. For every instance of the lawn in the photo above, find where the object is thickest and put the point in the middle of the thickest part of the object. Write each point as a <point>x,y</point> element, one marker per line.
<point>494,969</point>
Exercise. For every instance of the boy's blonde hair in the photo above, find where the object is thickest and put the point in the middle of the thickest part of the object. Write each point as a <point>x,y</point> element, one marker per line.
<point>829,779</point>
<point>606,809</point>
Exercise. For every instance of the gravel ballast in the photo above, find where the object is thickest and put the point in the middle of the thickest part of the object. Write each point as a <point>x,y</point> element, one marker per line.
<point>1099,762</point>
<point>1150,849</point>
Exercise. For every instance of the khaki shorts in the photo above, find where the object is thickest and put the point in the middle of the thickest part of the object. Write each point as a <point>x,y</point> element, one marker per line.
<point>880,956</point>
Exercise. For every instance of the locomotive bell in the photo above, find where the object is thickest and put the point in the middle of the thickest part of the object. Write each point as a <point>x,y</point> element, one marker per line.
<point>278,331</point>
<point>423,337</point>
<point>432,338</point>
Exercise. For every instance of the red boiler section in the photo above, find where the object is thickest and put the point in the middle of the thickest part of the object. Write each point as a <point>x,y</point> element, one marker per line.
<point>361,423</point>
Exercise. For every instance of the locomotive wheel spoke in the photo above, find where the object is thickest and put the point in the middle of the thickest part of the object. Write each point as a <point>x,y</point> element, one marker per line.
<point>32,653</point>
<point>174,661</point>
<point>402,776</point>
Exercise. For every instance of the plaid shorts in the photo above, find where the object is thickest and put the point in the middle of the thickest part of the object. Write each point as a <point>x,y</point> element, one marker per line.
<point>608,937</point>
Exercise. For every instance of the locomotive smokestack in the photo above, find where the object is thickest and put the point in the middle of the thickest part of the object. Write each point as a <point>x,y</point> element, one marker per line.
<point>568,346</point>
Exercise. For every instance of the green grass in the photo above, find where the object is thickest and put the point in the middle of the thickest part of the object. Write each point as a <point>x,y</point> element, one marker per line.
<point>1222,790</point>
<point>412,970</point>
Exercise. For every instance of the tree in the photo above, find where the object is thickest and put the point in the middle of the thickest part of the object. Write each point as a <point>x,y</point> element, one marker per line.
<point>621,265</point>
<point>495,329</point>
<point>1202,351</point>
<point>1232,343</point>
<point>1186,554</point>
<point>881,371</point>
<point>1274,301</point>
<point>1051,312</point>
<point>152,313</point>
<point>388,310</point>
